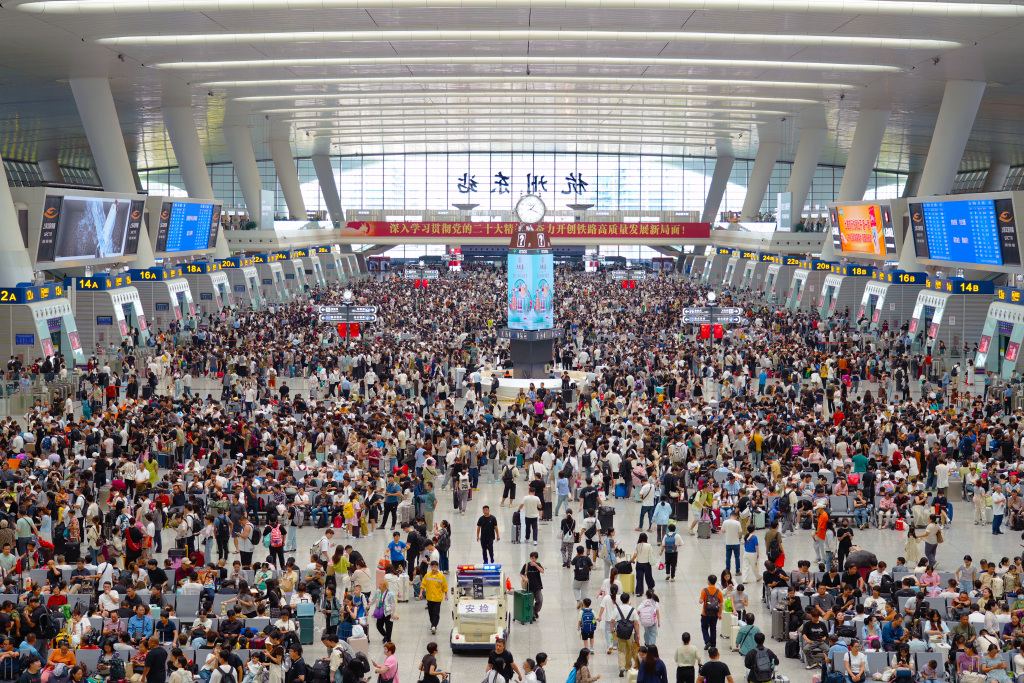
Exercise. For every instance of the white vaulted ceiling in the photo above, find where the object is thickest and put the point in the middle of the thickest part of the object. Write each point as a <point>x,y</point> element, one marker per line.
<point>653,76</point>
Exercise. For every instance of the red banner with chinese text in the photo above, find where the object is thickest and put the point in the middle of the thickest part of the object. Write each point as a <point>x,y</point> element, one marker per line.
<point>626,231</point>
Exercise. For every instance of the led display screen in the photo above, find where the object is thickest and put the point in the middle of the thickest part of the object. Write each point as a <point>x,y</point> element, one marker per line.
<point>531,291</point>
<point>980,231</point>
<point>864,230</point>
<point>184,227</point>
<point>82,228</point>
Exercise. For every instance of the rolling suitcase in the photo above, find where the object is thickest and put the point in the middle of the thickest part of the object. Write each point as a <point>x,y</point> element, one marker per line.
<point>546,515</point>
<point>620,490</point>
<point>628,582</point>
<point>730,624</point>
<point>759,520</point>
<point>682,511</point>
<point>779,625</point>
<point>703,529</point>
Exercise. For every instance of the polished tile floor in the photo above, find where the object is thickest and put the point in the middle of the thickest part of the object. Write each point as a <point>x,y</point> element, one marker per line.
<point>555,631</point>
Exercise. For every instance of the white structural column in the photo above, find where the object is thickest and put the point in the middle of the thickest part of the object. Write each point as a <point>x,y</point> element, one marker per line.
<point>719,181</point>
<point>913,181</point>
<point>106,142</point>
<point>328,186</point>
<point>949,139</point>
<point>181,128</point>
<point>243,159</point>
<point>808,151</point>
<point>959,107</point>
<point>287,175</point>
<point>50,171</point>
<point>764,163</point>
<point>995,179</point>
<point>15,264</point>
<point>860,161</point>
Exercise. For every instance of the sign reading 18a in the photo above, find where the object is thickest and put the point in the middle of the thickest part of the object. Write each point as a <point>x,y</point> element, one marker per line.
<point>193,269</point>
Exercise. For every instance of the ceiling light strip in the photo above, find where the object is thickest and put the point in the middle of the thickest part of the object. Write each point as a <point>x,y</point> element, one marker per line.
<point>549,78</point>
<point>682,112</point>
<point>558,35</point>
<point>533,95</point>
<point>845,7</point>
<point>532,60</point>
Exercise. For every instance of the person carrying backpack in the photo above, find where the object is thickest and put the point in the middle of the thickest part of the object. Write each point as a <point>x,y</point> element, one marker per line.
<point>509,474</point>
<point>711,611</point>
<point>670,549</point>
<point>760,662</point>
<point>626,631</point>
<point>274,541</point>
<point>587,624</point>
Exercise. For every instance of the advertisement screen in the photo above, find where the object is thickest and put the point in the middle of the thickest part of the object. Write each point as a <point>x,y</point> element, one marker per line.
<point>863,230</point>
<point>980,231</point>
<point>530,291</point>
<point>78,228</point>
<point>186,227</point>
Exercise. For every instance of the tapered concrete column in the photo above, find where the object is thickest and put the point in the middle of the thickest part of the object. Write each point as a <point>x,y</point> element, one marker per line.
<point>328,187</point>
<point>15,264</point>
<point>913,182</point>
<point>995,179</point>
<point>860,162</point>
<point>181,128</point>
<point>808,152</point>
<point>106,142</point>
<point>50,171</point>
<point>764,163</point>
<point>949,139</point>
<point>287,175</point>
<point>719,181</point>
<point>243,160</point>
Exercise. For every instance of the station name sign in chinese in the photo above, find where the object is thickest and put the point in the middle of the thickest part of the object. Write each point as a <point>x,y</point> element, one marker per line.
<point>638,232</point>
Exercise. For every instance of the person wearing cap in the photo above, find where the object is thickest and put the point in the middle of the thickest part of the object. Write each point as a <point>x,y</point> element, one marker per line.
<point>435,589</point>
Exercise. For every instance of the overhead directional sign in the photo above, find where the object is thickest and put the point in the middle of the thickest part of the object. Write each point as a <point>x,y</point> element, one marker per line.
<point>347,314</point>
<point>714,315</point>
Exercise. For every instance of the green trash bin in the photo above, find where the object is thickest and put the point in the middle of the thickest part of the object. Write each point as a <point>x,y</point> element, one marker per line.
<point>523,606</point>
<point>306,630</point>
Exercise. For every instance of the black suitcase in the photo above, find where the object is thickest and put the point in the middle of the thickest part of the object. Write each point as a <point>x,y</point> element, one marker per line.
<point>547,516</point>
<point>792,649</point>
<point>682,511</point>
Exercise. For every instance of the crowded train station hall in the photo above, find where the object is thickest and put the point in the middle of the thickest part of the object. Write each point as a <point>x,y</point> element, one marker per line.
<point>381,341</point>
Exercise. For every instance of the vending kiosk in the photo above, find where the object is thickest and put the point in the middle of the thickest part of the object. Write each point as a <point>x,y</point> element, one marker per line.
<point>843,289</point>
<point>40,322</point>
<point>809,278</point>
<point>244,281</point>
<point>952,311</point>
<point>165,293</point>
<point>715,265</point>
<point>1002,334</point>
<point>889,297</point>
<point>271,276</point>
<point>778,277</point>
<point>109,308</point>
<point>209,283</point>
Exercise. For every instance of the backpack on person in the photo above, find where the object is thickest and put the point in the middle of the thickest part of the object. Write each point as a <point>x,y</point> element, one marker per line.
<point>648,613</point>
<point>117,670</point>
<point>255,535</point>
<point>276,537</point>
<point>624,625</point>
<point>671,542</point>
<point>712,602</point>
<point>227,673</point>
<point>588,623</point>
<point>774,550</point>
<point>507,475</point>
<point>763,667</point>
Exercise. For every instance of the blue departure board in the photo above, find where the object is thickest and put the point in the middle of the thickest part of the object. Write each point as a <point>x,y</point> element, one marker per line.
<point>965,231</point>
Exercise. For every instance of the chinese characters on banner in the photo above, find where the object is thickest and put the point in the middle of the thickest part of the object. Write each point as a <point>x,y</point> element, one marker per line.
<point>620,231</point>
<point>574,184</point>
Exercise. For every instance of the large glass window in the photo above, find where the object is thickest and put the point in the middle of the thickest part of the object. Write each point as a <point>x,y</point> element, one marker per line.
<point>632,184</point>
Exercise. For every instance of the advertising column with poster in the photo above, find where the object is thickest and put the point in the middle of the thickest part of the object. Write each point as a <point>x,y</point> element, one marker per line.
<point>531,330</point>
<point>531,283</point>
<point>784,212</point>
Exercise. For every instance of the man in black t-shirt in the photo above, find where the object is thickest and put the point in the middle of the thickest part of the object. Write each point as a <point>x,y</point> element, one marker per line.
<point>156,662</point>
<point>813,635</point>
<point>581,566</point>
<point>487,533</point>
<point>589,496</point>
<point>501,661</point>
<point>531,573</point>
<point>297,672</point>
<point>713,670</point>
